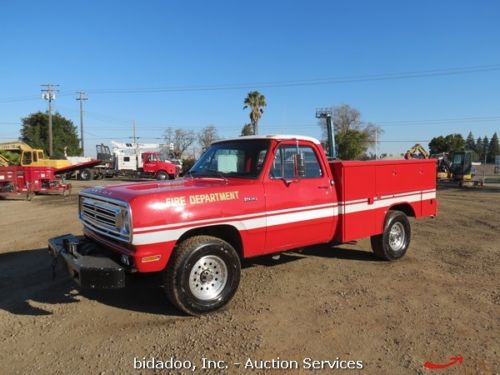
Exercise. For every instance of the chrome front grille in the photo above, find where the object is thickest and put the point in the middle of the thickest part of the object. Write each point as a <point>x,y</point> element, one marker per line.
<point>110,218</point>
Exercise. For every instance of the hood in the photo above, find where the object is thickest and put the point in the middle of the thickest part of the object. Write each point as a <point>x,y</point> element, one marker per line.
<point>156,204</point>
<point>129,191</point>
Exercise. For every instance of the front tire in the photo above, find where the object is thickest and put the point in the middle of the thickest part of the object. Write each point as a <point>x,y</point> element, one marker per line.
<point>202,275</point>
<point>395,240</point>
<point>161,175</point>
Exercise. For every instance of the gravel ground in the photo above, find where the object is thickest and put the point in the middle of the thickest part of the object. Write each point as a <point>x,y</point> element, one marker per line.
<point>322,302</point>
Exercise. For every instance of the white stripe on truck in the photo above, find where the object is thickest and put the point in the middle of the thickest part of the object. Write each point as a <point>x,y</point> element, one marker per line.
<point>172,232</point>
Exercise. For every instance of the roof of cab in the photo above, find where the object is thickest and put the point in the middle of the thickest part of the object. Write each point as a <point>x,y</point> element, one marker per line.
<point>278,137</point>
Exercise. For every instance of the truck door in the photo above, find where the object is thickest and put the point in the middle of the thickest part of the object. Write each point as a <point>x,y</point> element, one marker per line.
<point>300,199</point>
<point>148,163</point>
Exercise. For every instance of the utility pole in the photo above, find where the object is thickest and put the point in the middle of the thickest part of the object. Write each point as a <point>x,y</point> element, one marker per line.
<point>327,114</point>
<point>376,144</point>
<point>49,94</point>
<point>133,132</point>
<point>136,146</point>
<point>81,98</point>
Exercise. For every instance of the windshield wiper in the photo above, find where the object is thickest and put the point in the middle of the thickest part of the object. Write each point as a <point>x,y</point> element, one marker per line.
<point>218,174</point>
<point>207,173</point>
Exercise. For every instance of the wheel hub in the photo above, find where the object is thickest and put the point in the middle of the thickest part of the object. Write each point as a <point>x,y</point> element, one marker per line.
<point>397,237</point>
<point>208,277</point>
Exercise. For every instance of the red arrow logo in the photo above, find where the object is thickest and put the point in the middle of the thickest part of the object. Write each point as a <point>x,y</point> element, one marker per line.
<point>453,360</point>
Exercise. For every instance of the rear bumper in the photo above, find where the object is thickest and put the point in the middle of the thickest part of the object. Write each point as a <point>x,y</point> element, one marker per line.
<point>90,265</point>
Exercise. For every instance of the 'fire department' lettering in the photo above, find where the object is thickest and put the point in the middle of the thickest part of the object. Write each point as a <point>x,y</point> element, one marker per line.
<point>213,197</point>
<point>176,201</point>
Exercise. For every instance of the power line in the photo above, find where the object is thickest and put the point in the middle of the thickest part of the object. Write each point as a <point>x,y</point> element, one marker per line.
<point>312,82</point>
<point>287,83</point>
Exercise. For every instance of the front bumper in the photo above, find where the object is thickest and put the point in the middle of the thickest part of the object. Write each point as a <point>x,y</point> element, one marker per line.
<point>90,265</point>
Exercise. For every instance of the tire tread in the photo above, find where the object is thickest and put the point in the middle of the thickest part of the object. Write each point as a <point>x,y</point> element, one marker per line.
<point>175,263</point>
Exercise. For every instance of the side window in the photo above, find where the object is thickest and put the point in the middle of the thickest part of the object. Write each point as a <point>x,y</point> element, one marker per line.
<point>27,158</point>
<point>312,167</point>
<point>126,158</point>
<point>291,161</point>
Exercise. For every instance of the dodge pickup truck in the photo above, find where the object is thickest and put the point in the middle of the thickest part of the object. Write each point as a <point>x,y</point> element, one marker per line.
<point>243,198</point>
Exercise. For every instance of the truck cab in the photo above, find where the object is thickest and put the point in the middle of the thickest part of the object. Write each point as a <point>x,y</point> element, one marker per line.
<point>154,163</point>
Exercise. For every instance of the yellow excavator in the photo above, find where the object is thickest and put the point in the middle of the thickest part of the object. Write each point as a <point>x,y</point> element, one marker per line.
<point>443,166</point>
<point>417,152</point>
<point>456,166</point>
<point>462,169</point>
<point>26,156</point>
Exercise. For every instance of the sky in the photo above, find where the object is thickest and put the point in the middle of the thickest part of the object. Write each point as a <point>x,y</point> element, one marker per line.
<point>417,69</point>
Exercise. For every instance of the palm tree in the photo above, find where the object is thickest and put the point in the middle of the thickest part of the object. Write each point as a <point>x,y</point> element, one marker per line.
<point>256,102</point>
<point>247,130</point>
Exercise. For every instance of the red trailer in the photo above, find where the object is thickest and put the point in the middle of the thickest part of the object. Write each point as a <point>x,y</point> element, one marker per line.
<point>24,182</point>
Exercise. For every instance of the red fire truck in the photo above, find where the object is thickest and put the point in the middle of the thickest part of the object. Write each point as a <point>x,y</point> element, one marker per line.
<point>243,198</point>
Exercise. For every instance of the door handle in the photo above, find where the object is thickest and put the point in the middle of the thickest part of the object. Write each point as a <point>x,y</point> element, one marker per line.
<point>324,187</point>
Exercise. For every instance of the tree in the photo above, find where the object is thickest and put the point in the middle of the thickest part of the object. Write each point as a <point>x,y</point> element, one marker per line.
<point>455,142</point>
<point>470,144</point>
<point>438,145</point>
<point>452,142</point>
<point>247,129</point>
<point>256,102</point>
<point>179,139</point>
<point>493,148</point>
<point>484,150</point>
<point>207,136</point>
<point>479,147</point>
<point>351,144</point>
<point>346,122</point>
<point>35,132</point>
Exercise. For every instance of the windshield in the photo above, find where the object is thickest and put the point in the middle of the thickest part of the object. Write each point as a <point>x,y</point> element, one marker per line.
<point>458,158</point>
<point>157,157</point>
<point>243,158</point>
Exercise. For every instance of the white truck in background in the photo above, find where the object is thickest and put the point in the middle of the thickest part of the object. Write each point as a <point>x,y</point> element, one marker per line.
<point>145,160</point>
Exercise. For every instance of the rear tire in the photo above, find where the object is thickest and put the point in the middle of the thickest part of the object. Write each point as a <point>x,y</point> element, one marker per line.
<point>395,240</point>
<point>86,174</point>
<point>202,275</point>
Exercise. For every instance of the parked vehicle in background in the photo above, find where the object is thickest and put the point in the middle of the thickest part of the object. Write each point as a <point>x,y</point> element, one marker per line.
<point>103,170</point>
<point>26,156</point>
<point>143,160</point>
<point>25,182</point>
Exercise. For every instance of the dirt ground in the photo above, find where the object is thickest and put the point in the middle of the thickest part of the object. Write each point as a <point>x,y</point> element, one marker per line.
<point>441,300</point>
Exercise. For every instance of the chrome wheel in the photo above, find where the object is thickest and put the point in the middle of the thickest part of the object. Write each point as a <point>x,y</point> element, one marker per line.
<point>208,277</point>
<point>397,236</point>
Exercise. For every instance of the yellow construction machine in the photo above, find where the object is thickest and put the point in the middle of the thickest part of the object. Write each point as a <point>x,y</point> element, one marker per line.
<point>27,156</point>
<point>417,152</point>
